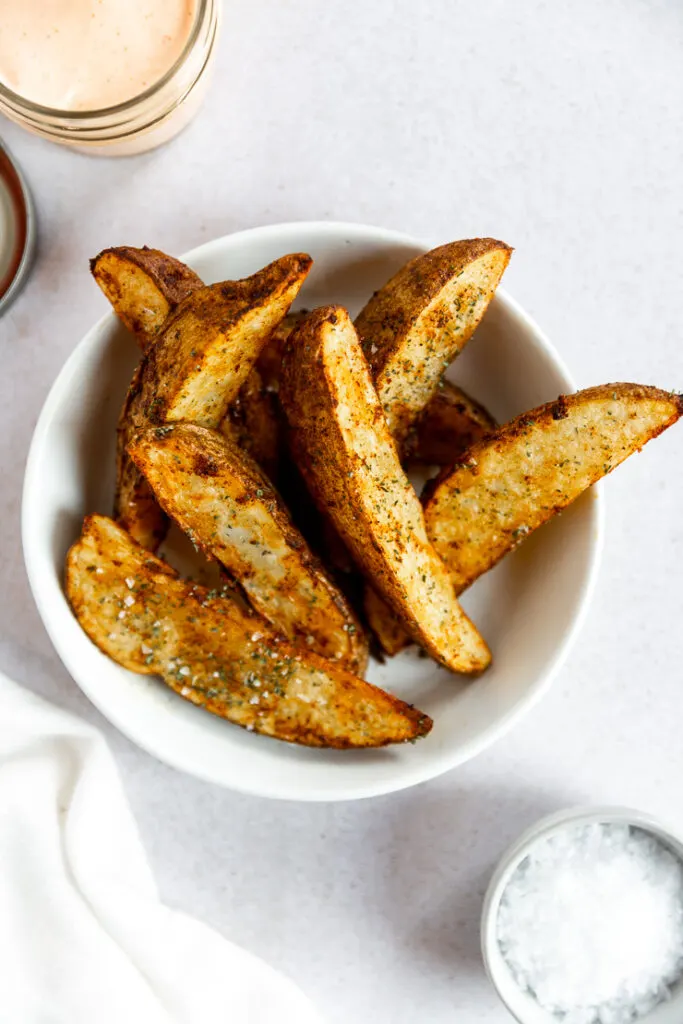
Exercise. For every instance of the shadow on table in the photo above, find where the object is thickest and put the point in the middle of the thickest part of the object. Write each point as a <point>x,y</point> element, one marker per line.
<point>444,848</point>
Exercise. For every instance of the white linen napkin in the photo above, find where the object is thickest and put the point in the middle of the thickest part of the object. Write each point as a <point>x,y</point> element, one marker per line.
<point>83,936</point>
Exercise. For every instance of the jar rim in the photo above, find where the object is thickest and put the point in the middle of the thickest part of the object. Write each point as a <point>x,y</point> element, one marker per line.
<point>41,110</point>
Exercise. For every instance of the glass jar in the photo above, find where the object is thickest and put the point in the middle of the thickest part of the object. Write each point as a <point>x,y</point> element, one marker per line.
<point>141,123</point>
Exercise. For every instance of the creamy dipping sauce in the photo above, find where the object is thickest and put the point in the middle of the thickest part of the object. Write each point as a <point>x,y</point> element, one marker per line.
<point>84,55</point>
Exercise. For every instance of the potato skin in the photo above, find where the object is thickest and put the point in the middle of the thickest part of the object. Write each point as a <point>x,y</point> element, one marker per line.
<point>195,369</point>
<point>221,499</point>
<point>144,286</point>
<point>451,422</point>
<point>343,447</point>
<point>526,471</point>
<point>413,327</point>
<point>208,650</point>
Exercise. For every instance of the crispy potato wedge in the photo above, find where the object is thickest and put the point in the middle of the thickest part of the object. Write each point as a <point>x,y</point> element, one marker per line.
<point>144,286</point>
<point>345,451</point>
<point>270,360</point>
<point>251,422</point>
<point>135,608</point>
<point>195,369</point>
<point>220,498</point>
<point>533,467</point>
<point>387,627</point>
<point>451,422</point>
<point>413,327</point>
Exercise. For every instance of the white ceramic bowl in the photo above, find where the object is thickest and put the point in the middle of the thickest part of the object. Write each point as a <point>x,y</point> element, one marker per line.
<point>521,1005</point>
<point>528,608</point>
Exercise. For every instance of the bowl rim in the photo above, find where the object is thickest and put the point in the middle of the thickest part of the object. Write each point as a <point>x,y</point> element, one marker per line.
<point>552,824</point>
<point>446,759</point>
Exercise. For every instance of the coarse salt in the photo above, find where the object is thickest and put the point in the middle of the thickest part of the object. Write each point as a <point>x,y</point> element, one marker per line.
<point>591,923</point>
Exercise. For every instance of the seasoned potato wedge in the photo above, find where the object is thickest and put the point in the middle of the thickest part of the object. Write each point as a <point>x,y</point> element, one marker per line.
<point>387,627</point>
<point>144,286</point>
<point>526,471</point>
<point>195,369</point>
<point>450,423</point>
<point>220,498</point>
<point>270,360</point>
<point>251,422</point>
<point>413,327</point>
<point>342,445</point>
<point>212,653</point>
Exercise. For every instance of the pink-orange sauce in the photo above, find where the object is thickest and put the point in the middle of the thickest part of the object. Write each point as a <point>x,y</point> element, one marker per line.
<point>89,54</point>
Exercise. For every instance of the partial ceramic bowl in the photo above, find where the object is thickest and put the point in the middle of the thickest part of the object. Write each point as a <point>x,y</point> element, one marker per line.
<point>529,607</point>
<point>522,1005</point>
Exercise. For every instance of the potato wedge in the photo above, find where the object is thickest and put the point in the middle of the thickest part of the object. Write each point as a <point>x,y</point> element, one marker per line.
<point>413,327</point>
<point>220,498</point>
<point>450,423</point>
<point>135,608</point>
<point>195,369</point>
<point>144,286</point>
<point>251,422</point>
<point>343,447</point>
<point>270,360</point>
<point>387,627</point>
<point>526,471</point>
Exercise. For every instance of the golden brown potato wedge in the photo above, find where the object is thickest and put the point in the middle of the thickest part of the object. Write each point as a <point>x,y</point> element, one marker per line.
<point>526,471</point>
<point>387,627</point>
<point>344,449</point>
<point>195,369</point>
<point>413,327</point>
<point>136,609</point>
<point>220,498</point>
<point>450,423</point>
<point>251,422</point>
<point>144,286</point>
<point>270,360</point>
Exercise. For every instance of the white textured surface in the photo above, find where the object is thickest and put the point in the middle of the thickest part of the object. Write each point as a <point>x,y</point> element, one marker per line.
<point>591,923</point>
<point>557,128</point>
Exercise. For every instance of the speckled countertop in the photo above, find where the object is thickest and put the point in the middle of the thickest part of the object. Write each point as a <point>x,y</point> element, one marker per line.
<point>557,128</point>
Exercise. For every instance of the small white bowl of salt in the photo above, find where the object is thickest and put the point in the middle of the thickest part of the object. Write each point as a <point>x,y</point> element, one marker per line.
<point>583,921</point>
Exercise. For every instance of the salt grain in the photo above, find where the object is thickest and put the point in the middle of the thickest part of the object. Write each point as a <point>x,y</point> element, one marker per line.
<point>591,924</point>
